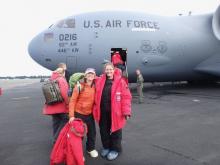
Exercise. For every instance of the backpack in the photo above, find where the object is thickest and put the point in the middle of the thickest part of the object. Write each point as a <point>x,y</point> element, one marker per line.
<point>52,92</point>
<point>75,80</point>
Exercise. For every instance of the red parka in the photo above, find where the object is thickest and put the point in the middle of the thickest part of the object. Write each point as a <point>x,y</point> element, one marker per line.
<point>116,59</point>
<point>59,107</point>
<point>120,101</point>
<point>68,147</point>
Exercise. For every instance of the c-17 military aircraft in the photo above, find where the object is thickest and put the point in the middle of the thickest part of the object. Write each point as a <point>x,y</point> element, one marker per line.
<point>177,48</point>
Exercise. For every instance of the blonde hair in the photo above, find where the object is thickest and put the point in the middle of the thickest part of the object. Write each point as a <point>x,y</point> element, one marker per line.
<point>108,64</point>
<point>62,65</point>
<point>60,71</point>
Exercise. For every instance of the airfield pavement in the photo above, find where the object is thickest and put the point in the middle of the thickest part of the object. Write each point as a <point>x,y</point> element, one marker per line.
<point>176,125</point>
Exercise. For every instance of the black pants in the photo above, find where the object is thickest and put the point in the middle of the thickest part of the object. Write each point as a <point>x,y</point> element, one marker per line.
<point>110,140</point>
<point>91,134</point>
<point>59,121</point>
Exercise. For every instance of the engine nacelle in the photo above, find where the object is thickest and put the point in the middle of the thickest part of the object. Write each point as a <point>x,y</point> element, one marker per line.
<point>216,23</point>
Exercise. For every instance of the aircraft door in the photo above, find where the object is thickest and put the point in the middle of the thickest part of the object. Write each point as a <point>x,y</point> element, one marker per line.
<point>71,62</point>
<point>122,53</point>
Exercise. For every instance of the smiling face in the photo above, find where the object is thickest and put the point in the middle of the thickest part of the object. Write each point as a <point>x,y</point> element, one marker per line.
<point>109,70</point>
<point>90,76</point>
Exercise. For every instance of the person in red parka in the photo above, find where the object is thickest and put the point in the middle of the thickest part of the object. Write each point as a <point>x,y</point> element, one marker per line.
<point>112,109</point>
<point>120,64</point>
<point>117,61</point>
<point>58,111</point>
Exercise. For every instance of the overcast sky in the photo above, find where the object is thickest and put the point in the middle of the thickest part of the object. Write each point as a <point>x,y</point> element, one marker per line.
<point>23,19</point>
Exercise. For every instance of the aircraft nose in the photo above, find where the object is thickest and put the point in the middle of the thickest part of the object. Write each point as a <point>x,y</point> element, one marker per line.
<point>34,48</point>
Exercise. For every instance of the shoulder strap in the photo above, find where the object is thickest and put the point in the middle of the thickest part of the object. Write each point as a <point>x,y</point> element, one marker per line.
<point>55,78</point>
<point>79,86</point>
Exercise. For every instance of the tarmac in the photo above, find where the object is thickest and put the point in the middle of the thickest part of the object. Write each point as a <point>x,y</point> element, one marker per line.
<point>177,124</point>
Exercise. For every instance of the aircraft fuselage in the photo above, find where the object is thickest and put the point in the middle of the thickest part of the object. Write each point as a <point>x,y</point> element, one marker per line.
<point>163,48</point>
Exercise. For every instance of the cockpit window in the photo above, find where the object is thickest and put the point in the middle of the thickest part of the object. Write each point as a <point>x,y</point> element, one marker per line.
<point>60,24</point>
<point>70,23</point>
<point>50,26</point>
<point>66,23</point>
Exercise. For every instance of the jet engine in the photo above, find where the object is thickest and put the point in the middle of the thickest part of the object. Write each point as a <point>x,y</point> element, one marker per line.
<point>216,23</point>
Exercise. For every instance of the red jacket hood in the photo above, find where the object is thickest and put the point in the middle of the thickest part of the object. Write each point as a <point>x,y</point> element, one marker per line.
<point>78,128</point>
